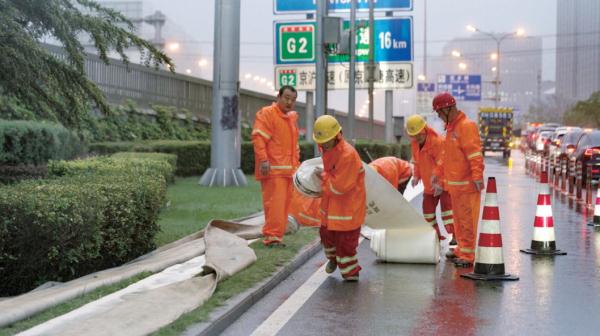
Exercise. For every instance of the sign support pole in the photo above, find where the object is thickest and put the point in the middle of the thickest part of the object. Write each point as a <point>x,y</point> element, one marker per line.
<point>321,64</point>
<point>352,83</point>
<point>225,120</point>
<point>389,109</point>
<point>371,65</point>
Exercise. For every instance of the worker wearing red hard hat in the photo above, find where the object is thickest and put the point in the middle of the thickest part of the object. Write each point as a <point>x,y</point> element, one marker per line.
<point>462,168</point>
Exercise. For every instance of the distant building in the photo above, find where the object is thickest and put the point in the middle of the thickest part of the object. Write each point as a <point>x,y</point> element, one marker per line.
<point>520,69</point>
<point>578,48</point>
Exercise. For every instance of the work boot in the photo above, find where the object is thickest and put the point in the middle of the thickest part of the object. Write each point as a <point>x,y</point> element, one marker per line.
<point>273,242</point>
<point>462,263</point>
<point>453,241</point>
<point>331,266</point>
<point>352,278</point>
<point>450,254</point>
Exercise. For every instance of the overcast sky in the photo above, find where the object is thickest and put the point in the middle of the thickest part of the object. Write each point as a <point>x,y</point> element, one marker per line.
<point>191,21</point>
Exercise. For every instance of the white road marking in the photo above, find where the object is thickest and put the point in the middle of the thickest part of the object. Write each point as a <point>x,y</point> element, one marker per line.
<point>278,319</point>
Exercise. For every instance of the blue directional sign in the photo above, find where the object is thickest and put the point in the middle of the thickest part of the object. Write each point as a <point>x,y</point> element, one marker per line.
<point>307,6</point>
<point>295,42</point>
<point>425,87</point>
<point>462,87</point>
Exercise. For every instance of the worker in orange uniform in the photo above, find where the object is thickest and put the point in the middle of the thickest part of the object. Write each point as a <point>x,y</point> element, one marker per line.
<point>277,156</point>
<point>462,167</point>
<point>304,209</point>
<point>343,199</point>
<point>396,171</point>
<point>426,146</point>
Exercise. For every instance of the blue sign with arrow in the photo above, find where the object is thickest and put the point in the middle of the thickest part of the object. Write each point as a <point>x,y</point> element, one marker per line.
<point>462,87</point>
<point>307,6</point>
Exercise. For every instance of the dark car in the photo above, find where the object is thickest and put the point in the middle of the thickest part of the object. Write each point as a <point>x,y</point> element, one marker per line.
<point>588,153</point>
<point>569,143</point>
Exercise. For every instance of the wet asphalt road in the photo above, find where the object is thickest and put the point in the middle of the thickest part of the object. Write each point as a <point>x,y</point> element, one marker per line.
<point>557,295</point>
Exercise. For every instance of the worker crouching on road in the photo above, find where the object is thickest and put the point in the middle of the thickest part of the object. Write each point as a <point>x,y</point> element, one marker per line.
<point>277,156</point>
<point>426,146</point>
<point>462,167</point>
<point>396,171</point>
<point>343,199</point>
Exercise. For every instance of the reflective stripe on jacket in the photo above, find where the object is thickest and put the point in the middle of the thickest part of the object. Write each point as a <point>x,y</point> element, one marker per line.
<point>393,169</point>
<point>462,160</point>
<point>343,202</point>
<point>275,139</point>
<point>427,158</point>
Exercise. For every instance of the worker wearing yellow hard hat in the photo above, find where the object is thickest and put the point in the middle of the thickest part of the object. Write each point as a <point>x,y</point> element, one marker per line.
<point>426,146</point>
<point>343,200</point>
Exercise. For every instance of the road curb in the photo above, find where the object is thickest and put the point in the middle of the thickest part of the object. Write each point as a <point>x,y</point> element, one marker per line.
<point>224,316</point>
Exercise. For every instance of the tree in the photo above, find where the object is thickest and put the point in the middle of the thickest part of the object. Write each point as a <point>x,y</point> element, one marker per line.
<point>58,89</point>
<point>585,113</point>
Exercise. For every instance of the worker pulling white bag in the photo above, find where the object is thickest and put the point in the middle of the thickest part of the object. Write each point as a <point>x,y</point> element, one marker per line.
<point>401,234</point>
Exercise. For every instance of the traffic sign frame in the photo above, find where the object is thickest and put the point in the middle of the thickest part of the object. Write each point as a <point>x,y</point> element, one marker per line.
<point>308,6</point>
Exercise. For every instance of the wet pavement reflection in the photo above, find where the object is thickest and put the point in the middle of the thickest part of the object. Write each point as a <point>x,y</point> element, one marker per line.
<point>556,295</point>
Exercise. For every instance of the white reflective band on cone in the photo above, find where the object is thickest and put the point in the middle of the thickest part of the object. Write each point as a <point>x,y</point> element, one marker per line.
<point>543,211</point>
<point>543,234</point>
<point>489,255</point>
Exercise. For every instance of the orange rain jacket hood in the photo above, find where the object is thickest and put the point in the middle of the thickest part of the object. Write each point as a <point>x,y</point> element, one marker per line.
<point>275,139</point>
<point>427,158</point>
<point>344,199</point>
<point>393,169</point>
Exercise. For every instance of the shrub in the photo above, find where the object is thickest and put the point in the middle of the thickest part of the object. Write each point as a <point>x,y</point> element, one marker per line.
<point>193,157</point>
<point>60,229</point>
<point>35,143</point>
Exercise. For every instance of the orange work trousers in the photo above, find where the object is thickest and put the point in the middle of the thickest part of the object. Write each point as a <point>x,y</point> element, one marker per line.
<point>430,202</point>
<point>276,195</point>
<point>340,247</point>
<point>465,208</point>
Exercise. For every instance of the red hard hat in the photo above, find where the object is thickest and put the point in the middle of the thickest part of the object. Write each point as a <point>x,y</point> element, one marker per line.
<point>443,100</point>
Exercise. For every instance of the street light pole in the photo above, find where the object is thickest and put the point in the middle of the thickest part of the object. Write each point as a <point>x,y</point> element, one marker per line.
<point>498,40</point>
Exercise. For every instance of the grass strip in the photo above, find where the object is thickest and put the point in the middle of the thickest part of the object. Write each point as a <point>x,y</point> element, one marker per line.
<point>70,305</point>
<point>269,260</point>
<point>192,206</point>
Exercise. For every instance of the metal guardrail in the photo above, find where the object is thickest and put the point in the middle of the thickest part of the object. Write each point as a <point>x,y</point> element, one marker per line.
<point>147,86</point>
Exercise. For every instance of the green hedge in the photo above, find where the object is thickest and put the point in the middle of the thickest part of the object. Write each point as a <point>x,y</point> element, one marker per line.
<point>193,157</point>
<point>92,218</point>
<point>35,143</point>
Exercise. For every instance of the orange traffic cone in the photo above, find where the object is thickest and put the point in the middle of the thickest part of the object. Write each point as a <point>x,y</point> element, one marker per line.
<point>489,262</point>
<point>596,220</point>
<point>543,242</point>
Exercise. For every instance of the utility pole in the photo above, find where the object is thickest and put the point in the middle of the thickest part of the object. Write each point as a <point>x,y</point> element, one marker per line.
<point>225,120</point>
<point>371,65</point>
<point>310,106</point>
<point>352,83</point>
<point>321,64</point>
<point>389,109</point>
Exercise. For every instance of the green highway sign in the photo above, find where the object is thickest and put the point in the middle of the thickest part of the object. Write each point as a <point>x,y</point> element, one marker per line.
<point>287,77</point>
<point>295,42</point>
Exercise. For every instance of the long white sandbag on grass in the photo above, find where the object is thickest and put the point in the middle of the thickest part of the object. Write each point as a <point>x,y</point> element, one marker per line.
<point>407,238</point>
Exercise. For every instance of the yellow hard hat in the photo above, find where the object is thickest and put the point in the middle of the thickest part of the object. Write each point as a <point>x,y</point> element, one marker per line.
<point>326,128</point>
<point>415,124</point>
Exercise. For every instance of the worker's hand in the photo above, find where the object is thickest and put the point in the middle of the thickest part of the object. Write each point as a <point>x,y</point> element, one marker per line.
<point>479,185</point>
<point>318,172</point>
<point>264,168</point>
<point>437,187</point>
<point>415,181</point>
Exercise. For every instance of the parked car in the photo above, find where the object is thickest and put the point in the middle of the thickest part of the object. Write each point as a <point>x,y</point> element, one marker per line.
<point>556,140</point>
<point>569,143</point>
<point>588,153</point>
<point>534,134</point>
<point>542,141</point>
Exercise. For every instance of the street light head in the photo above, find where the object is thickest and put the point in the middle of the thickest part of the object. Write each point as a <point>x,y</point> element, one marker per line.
<point>494,56</point>
<point>203,62</point>
<point>520,32</point>
<point>471,28</point>
<point>456,53</point>
<point>248,76</point>
<point>493,69</point>
<point>421,77</point>
<point>462,65</point>
<point>174,46</point>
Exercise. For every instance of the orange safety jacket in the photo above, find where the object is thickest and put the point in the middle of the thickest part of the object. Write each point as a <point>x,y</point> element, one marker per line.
<point>393,169</point>
<point>344,199</point>
<point>462,160</point>
<point>275,139</point>
<point>427,158</point>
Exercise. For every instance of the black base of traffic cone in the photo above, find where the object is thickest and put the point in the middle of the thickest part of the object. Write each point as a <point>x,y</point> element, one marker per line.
<point>489,277</point>
<point>487,272</point>
<point>595,222</point>
<point>543,248</point>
